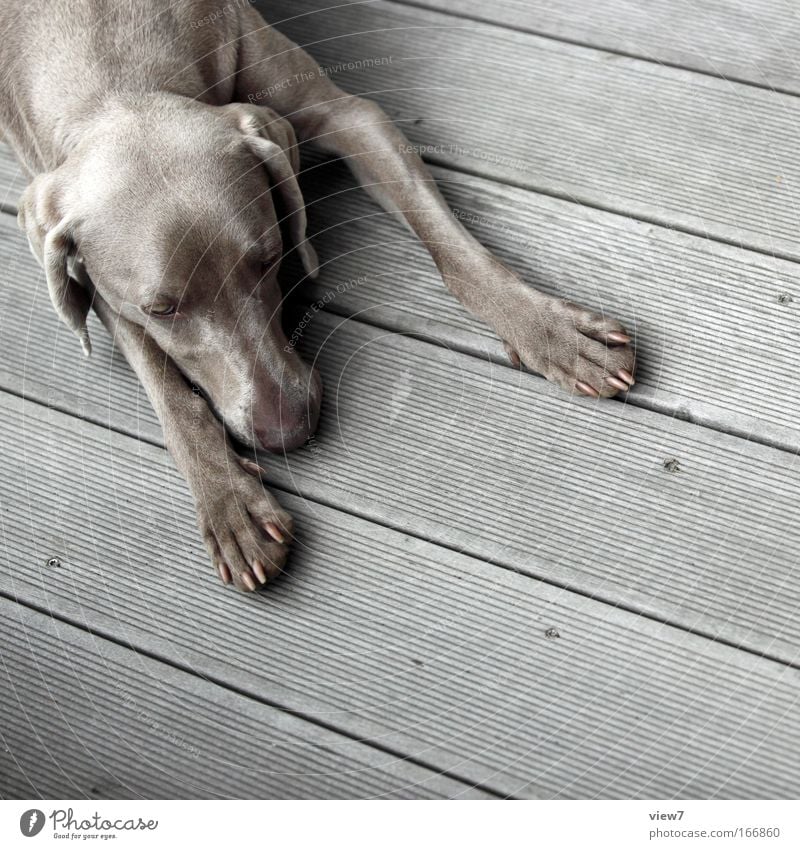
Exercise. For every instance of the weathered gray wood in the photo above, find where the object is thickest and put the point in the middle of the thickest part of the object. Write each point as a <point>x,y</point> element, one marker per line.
<point>716,343</point>
<point>654,142</point>
<point>85,718</point>
<point>480,457</point>
<point>423,650</point>
<point>508,469</point>
<point>394,640</point>
<point>755,42</point>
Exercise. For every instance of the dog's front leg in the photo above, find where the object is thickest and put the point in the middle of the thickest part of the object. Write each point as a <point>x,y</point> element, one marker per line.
<point>244,528</point>
<point>579,349</point>
<point>573,346</point>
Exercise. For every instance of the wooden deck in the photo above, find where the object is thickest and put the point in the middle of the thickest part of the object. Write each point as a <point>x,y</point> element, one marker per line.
<point>498,590</point>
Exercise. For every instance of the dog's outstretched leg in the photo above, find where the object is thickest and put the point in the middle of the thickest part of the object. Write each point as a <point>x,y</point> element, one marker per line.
<point>244,528</point>
<point>581,350</point>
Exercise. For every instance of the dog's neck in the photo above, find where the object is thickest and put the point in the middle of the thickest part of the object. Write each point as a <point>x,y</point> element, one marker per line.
<point>45,146</point>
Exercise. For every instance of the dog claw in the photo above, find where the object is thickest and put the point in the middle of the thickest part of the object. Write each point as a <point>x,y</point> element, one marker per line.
<point>246,531</point>
<point>251,467</point>
<point>586,389</point>
<point>275,532</point>
<point>570,345</point>
<point>617,383</point>
<point>513,356</point>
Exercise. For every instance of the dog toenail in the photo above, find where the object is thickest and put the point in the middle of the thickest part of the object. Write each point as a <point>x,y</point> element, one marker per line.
<point>274,531</point>
<point>617,383</point>
<point>247,578</point>
<point>586,389</point>
<point>251,467</point>
<point>622,338</point>
<point>259,572</point>
<point>513,356</point>
<point>626,376</point>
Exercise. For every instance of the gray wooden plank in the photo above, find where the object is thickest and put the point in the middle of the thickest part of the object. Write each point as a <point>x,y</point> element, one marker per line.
<point>502,465</point>
<point>754,42</point>
<point>422,650</point>
<point>715,325</point>
<point>86,718</point>
<point>478,458</point>
<point>717,343</point>
<point>658,143</point>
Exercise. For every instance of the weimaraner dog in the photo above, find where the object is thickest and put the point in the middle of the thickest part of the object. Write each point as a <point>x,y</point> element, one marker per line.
<point>159,136</point>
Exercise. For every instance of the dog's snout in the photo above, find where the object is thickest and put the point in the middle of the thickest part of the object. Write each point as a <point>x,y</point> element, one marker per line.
<point>289,423</point>
<point>278,441</point>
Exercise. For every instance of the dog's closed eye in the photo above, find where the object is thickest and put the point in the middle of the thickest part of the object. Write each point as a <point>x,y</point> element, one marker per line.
<point>160,309</point>
<point>270,262</point>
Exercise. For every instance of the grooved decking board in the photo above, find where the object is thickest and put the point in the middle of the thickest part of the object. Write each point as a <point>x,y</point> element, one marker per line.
<point>421,649</point>
<point>508,469</point>
<point>663,144</point>
<point>715,343</point>
<point>83,717</point>
<point>755,41</point>
<point>415,648</point>
<point>477,456</point>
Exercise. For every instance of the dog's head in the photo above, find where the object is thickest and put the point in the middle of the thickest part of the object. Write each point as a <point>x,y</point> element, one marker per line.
<point>176,210</point>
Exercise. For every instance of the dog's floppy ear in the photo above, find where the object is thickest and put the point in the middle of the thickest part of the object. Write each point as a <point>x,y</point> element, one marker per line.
<point>51,240</point>
<point>272,139</point>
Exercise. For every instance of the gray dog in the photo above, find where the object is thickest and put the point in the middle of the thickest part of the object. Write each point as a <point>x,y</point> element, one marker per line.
<point>157,145</point>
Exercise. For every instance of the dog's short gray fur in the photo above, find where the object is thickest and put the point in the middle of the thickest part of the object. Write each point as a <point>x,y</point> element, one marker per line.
<point>156,144</point>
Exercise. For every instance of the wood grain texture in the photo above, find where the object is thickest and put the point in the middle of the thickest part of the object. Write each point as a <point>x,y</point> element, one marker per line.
<point>715,326</point>
<point>494,585</point>
<point>502,465</point>
<point>452,662</point>
<point>754,42</point>
<point>86,718</point>
<point>657,143</point>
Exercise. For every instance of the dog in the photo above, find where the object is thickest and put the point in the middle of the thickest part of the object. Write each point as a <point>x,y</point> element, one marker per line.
<point>163,156</point>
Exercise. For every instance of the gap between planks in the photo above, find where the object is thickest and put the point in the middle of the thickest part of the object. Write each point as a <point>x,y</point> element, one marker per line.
<point>538,390</point>
<point>655,399</point>
<point>610,186</point>
<point>442,782</point>
<point>309,494</point>
<point>488,670</point>
<point>586,45</point>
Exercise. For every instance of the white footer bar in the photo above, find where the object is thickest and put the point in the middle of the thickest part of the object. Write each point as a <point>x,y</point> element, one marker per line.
<point>410,825</point>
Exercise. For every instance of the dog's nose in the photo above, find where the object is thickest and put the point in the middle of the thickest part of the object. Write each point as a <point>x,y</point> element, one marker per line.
<point>278,441</point>
<point>293,422</point>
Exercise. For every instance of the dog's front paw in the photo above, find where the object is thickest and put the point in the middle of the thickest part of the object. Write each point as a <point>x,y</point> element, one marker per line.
<point>244,528</point>
<point>581,350</point>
